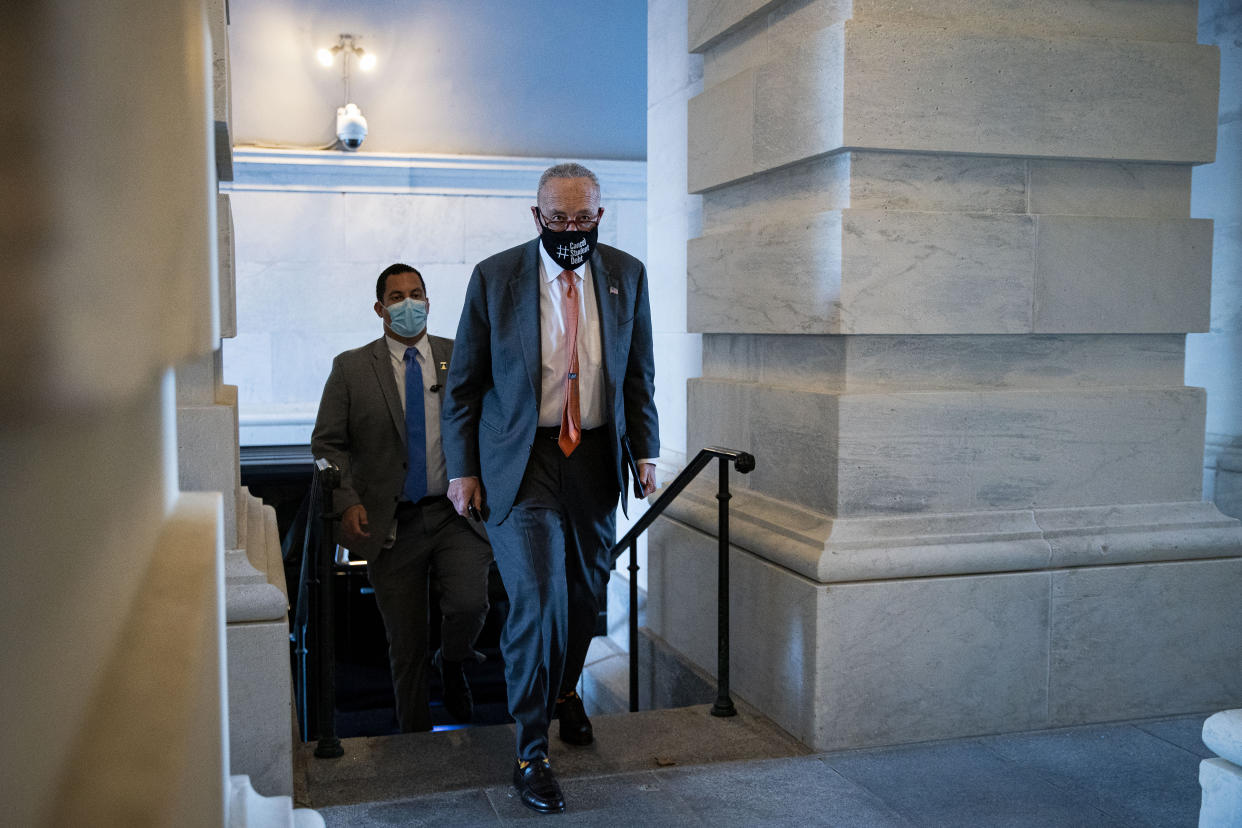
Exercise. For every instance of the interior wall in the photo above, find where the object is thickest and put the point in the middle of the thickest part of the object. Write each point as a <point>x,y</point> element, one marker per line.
<point>491,77</point>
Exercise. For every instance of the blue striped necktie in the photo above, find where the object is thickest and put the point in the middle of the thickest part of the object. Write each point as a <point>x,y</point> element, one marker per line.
<point>415,429</point>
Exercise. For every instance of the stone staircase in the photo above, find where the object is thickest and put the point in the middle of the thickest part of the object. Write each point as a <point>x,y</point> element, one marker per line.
<point>389,768</point>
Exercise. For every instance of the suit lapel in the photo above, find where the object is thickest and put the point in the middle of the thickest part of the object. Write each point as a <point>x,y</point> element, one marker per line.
<point>606,300</point>
<point>382,363</point>
<point>525,295</point>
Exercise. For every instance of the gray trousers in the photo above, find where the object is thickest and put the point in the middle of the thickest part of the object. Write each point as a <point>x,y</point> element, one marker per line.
<point>552,552</point>
<point>433,541</point>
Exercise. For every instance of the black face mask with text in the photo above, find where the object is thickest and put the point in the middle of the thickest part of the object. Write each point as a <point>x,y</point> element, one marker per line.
<point>569,248</point>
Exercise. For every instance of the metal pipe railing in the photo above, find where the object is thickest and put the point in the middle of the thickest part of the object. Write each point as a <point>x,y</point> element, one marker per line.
<point>744,463</point>
<point>314,632</point>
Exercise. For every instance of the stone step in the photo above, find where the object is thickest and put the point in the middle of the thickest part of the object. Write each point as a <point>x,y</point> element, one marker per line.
<point>386,768</point>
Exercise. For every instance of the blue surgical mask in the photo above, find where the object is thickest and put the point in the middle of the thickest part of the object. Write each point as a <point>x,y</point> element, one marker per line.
<point>408,317</point>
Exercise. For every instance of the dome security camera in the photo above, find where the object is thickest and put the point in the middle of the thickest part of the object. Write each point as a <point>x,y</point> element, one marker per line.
<point>351,126</point>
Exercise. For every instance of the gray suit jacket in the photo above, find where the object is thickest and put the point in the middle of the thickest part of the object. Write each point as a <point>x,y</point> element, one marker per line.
<point>361,428</point>
<point>492,405</point>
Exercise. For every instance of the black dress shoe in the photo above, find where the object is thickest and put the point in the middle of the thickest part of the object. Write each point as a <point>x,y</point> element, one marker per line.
<point>575,726</point>
<point>457,699</point>
<point>538,787</point>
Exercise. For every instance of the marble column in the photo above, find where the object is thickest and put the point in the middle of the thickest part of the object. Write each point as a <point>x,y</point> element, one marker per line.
<point>944,279</point>
<point>111,608</point>
<point>260,699</point>
<point>1213,359</point>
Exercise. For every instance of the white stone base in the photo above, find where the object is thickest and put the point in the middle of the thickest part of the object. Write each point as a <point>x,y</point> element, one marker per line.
<point>249,809</point>
<point>1222,794</point>
<point>962,624</point>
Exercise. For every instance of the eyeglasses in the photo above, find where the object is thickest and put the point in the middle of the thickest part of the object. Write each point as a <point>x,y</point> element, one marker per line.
<point>559,221</point>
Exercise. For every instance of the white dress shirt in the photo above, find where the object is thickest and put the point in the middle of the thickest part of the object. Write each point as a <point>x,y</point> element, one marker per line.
<point>554,346</point>
<point>437,475</point>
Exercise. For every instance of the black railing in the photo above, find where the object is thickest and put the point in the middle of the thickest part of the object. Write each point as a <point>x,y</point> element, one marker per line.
<point>314,623</point>
<point>314,632</point>
<point>744,463</point>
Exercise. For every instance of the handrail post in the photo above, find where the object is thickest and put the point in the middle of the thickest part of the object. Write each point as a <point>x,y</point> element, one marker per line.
<point>329,747</point>
<point>724,704</point>
<point>633,569</point>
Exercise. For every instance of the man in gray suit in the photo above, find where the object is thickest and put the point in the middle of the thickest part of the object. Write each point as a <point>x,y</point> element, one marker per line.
<point>552,388</point>
<point>379,421</point>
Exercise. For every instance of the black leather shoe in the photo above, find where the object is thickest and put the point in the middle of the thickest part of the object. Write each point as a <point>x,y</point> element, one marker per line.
<point>457,699</point>
<point>538,787</point>
<point>575,726</point>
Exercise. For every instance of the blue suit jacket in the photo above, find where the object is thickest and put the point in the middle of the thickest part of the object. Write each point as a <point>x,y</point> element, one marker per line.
<point>491,405</point>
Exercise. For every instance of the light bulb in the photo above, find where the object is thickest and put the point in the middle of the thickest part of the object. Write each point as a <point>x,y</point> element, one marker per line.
<point>325,56</point>
<point>366,62</point>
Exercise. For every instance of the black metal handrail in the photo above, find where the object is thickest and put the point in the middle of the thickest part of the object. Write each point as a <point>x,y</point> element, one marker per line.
<point>744,463</point>
<point>314,617</point>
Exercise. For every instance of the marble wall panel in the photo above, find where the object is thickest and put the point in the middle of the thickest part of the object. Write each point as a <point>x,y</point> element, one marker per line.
<point>792,434</point>
<point>1088,188</point>
<point>799,102</point>
<point>936,89</point>
<point>930,363</point>
<point>1142,640</point>
<point>745,47</point>
<point>812,362</point>
<point>678,357</point>
<point>925,273</point>
<point>785,195</point>
<point>937,183</point>
<point>419,230</point>
<point>496,224</point>
<point>670,71</point>
<point>446,286</point>
<point>710,19</point>
<point>964,451</point>
<point>298,296</point>
<point>905,87</point>
<point>208,456</point>
<point>199,379</point>
<point>1172,20</point>
<point>226,267</point>
<point>629,220</point>
<point>1017,362</point>
<point>774,622</point>
<point>260,699</point>
<point>957,656</point>
<point>720,129</point>
<point>775,278</point>
<point>1104,275</point>
<point>287,227</point>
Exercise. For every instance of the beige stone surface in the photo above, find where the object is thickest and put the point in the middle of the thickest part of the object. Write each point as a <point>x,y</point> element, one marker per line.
<point>150,748</point>
<point>943,363</point>
<point>261,705</point>
<point>898,85</point>
<point>1145,640</point>
<point>926,452</point>
<point>113,198</point>
<point>1106,275</point>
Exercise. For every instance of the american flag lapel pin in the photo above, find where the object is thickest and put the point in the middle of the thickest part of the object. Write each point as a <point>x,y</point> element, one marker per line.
<point>612,290</point>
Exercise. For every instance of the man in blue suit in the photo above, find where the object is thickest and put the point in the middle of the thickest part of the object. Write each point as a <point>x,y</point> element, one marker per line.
<point>549,397</point>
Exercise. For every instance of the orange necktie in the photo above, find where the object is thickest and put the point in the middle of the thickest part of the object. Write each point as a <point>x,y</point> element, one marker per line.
<point>571,417</point>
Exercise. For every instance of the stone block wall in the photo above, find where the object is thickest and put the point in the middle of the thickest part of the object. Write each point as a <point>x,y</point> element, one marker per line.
<point>112,610</point>
<point>944,274</point>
